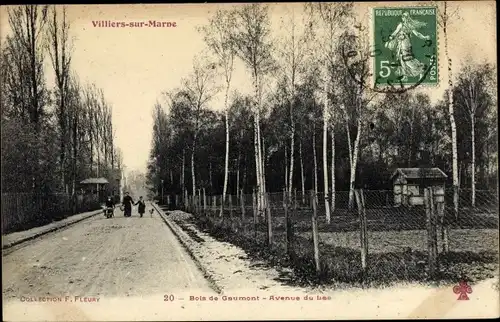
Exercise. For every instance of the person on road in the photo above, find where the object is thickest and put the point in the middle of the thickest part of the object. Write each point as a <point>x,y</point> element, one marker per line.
<point>110,205</point>
<point>127,204</point>
<point>142,206</point>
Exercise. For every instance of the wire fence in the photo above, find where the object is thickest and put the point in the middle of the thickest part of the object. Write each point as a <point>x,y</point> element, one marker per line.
<point>381,237</point>
<point>22,211</point>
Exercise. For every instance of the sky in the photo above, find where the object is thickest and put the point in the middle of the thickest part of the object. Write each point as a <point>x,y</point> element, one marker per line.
<point>133,66</point>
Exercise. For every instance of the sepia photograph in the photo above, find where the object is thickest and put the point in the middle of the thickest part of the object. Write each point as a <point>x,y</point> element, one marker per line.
<point>249,161</point>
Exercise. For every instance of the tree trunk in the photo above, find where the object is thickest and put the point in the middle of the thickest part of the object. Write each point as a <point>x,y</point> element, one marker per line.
<point>257,167</point>
<point>292,150</point>
<point>451,113</point>
<point>210,178</point>
<point>332,208</point>
<point>91,155</point>
<point>183,176</point>
<point>354,165</point>
<point>98,161</point>
<point>302,175</point>
<point>226,160</point>
<point>257,147</point>
<point>263,171</point>
<point>244,183</point>
<point>62,157</point>
<point>473,165</point>
<point>315,163</point>
<point>286,169</point>
<point>261,166</point>
<point>325,158</point>
<point>238,175</point>
<point>193,175</point>
<point>75,156</point>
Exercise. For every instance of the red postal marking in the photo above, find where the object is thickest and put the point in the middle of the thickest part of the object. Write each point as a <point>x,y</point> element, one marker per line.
<point>462,288</point>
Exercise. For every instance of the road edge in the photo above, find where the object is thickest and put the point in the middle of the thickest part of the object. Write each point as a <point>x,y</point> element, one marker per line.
<point>51,230</point>
<point>176,230</point>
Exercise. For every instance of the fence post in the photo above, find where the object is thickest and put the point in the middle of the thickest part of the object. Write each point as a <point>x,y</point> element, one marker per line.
<point>360,200</point>
<point>315,234</point>
<point>430,231</point>
<point>269,223</point>
<point>434,226</point>
<point>440,207</point>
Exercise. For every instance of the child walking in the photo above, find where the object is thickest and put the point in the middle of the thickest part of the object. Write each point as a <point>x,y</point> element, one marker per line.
<point>142,206</point>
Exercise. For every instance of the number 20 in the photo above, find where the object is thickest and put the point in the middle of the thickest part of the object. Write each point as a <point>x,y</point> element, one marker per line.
<point>384,65</point>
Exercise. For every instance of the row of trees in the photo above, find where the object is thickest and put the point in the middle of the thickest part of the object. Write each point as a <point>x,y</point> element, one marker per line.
<point>318,100</point>
<point>51,137</point>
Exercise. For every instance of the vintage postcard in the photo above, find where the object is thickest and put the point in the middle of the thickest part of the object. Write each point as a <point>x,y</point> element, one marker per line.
<point>253,161</point>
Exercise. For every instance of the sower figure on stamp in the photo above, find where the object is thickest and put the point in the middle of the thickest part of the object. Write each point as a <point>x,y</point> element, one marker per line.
<point>400,43</point>
<point>142,206</point>
<point>127,203</point>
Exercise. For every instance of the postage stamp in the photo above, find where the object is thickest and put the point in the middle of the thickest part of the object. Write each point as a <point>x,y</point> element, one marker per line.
<point>256,171</point>
<point>405,39</point>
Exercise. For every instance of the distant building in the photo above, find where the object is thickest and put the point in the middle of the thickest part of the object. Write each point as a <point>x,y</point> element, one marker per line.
<point>95,186</point>
<point>409,184</point>
<point>103,187</point>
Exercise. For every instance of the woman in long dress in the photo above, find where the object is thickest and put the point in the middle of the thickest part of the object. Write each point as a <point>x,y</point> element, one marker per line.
<point>400,43</point>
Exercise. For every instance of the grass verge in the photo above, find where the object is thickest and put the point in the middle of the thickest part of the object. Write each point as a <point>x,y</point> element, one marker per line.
<point>341,266</point>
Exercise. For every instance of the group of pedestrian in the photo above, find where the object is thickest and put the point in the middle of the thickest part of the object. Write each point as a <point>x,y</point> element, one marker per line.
<point>127,203</point>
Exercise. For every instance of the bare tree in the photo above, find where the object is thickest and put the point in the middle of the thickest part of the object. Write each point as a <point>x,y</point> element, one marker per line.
<point>26,51</point>
<point>293,50</point>
<point>28,27</point>
<point>472,93</point>
<point>355,94</point>
<point>74,104</point>
<point>218,37</point>
<point>60,55</point>
<point>328,21</point>
<point>253,47</point>
<point>444,17</point>
<point>199,89</point>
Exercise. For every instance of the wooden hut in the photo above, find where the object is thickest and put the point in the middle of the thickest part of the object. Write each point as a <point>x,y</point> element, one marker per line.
<point>95,186</point>
<point>409,184</point>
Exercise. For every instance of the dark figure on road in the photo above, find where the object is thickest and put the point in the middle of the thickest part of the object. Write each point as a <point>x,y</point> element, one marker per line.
<point>110,206</point>
<point>127,203</point>
<point>142,206</point>
<point>110,203</point>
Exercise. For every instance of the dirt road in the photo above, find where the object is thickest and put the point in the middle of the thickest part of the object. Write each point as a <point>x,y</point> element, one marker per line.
<point>104,258</point>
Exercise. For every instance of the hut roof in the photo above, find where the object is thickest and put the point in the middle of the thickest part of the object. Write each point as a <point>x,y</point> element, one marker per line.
<point>95,181</point>
<point>420,173</point>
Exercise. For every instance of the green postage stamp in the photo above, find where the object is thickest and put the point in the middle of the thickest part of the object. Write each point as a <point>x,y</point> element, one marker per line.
<point>405,40</point>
